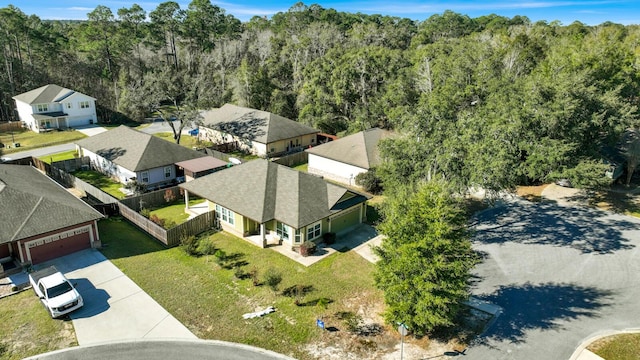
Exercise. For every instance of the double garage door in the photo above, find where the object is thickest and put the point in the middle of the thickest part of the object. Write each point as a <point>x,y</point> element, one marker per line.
<point>345,220</point>
<point>42,250</point>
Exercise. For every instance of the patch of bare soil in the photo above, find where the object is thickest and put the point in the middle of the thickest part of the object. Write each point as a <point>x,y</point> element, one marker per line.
<point>531,193</point>
<point>360,333</point>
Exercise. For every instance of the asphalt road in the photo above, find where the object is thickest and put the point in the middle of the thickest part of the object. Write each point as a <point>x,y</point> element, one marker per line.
<point>561,274</point>
<point>40,151</point>
<point>163,126</point>
<point>153,350</point>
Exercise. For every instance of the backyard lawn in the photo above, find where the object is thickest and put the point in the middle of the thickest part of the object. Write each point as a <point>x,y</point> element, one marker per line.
<point>210,299</point>
<point>101,181</point>
<point>31,140</point>
<point>175,213</point>
<point>28,330</point>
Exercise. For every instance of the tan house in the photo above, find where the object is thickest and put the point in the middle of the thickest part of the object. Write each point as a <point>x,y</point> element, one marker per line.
<point>258,132</point>
<point>268,203</point>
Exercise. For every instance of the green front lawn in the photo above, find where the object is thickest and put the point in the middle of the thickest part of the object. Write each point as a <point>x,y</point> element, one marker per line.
<point>31,140</point>
<point>67,155</point>
<point>101,181</point>
<point>175,212</point>
<point>210,300</point>
<point>28,330</point>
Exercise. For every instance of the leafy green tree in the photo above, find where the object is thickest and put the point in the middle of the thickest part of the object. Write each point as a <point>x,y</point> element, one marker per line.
<point>426,257</point>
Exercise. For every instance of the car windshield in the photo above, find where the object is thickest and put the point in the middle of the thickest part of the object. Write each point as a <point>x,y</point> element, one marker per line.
<point>59,290</point>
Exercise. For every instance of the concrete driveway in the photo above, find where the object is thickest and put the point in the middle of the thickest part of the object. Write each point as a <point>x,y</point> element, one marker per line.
<point>115,308</point>
<point>91,130</point>
<point>561,273</point>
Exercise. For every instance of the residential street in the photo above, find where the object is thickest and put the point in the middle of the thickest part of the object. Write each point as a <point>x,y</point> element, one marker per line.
<point>561,274</point>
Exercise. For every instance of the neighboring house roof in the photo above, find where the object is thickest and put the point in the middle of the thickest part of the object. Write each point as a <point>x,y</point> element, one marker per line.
<point>135,150</point>
<point>46,94</point>
<point>359,149</point>
<point>34,204</point>
<point>255,125</point>
<point>202,164</point>
<point>262,191</point>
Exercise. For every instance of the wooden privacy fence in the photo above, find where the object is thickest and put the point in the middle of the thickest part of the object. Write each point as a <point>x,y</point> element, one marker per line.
<point>153,199</point>
<point>216,154</point>
<point>169,237</point>
<point>294,159</point>
<point>198,224</point>
<point>143,223</point>
<point>10,126</point>
<point>71,165</point>
<point>173,236</point>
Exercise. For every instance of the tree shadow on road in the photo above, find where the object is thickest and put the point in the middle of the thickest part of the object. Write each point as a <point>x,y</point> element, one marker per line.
<point>540,306</point>
<point>584,229</point>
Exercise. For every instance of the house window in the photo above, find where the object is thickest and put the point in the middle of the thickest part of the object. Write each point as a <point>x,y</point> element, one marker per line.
<point>68,105</point>
<point>167,171</point>
<point>84,104</point>
<point>225,215</point>
<point>144,176</point>
<point>298,237</point>
<point>282,230</point>
<point>43,107</point>
<point>314,230</point>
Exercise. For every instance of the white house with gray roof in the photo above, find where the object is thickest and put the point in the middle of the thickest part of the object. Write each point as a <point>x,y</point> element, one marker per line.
<point>126,154</point>
<point>41,220</point>
<point>343,159</point>
<point>265,202</point>
<point>259,132</point>
<point>55,107</point>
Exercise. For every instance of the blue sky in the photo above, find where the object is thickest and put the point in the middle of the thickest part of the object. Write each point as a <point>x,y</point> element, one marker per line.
<point>590,12</point>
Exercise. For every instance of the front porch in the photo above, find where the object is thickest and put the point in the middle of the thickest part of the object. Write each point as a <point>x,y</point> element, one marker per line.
<point>361,238</point>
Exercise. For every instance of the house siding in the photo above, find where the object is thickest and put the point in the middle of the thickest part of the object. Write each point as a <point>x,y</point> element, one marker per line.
<point>157,176</point>
<point>107,167</point>
<point>334,170</point>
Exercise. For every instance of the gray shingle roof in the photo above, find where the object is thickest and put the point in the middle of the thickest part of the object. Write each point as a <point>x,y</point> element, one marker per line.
<point>34,204</point>
<point>262,190</point>
<point>255,125</point>
<point>135,150</point>
<point>45,94</point>
<point>359,149</point>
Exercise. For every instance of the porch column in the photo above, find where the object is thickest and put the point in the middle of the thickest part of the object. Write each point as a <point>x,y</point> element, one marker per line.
<point>186,200</point>
<point>263,235</point>
<point>95,238</point>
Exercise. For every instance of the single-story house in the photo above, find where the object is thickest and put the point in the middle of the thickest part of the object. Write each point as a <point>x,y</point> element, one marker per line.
<point>41,220</point>
<point>265,202</point>
<point>343,159</point>
<point>258,132</point>
<point>127,155</point>
<point>54,107</point>
<point>201,166</point>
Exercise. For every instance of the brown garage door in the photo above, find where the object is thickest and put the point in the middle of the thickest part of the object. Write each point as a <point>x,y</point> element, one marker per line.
<point>54,249</point>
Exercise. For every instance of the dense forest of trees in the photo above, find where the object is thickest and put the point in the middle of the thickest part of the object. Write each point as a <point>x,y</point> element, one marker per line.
<point>489,101</point>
